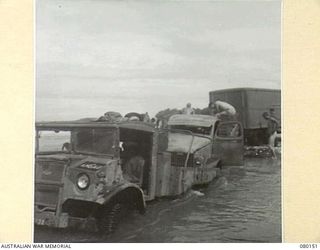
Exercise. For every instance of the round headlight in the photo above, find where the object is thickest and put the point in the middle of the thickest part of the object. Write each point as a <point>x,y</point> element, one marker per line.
<point>83,181</point>
<point>198,161</point>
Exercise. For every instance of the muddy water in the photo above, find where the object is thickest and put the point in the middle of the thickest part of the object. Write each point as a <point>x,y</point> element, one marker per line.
<point>243,206</point>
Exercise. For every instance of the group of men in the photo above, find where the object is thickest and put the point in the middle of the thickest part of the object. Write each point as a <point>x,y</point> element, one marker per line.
<point>222,110</point>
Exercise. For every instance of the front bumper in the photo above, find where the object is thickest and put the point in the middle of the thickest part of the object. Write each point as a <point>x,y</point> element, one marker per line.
<point>50,219</point>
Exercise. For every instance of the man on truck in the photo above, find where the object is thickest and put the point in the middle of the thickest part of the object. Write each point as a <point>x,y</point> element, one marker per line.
<point>188,110</point>
<point>223,110</point>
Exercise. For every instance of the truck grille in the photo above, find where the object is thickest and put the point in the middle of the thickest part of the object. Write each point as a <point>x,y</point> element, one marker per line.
<point>48,183</point>
<point>178,159</point>
<point>49,170</point>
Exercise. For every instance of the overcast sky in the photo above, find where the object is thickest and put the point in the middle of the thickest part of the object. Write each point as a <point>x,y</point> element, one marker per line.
<point>96,56</point>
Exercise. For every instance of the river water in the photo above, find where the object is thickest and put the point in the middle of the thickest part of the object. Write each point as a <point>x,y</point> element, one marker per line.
<point>243,206</point>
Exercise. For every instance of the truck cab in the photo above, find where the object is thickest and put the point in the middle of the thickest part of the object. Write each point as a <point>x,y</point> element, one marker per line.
<point>226,137</point>
<point>88,172</point>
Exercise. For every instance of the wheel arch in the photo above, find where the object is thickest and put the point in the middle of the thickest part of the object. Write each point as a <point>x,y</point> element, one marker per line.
<point>219,164</point>
<point>130,194</point>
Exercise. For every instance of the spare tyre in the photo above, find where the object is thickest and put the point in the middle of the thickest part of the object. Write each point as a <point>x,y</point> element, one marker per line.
<point>132,115</point>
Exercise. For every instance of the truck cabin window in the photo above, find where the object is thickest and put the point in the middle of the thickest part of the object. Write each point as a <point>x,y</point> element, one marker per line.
<point>194,129</point>
<point>96,141</point>
<point>229,130</point>
<point>54,141</point>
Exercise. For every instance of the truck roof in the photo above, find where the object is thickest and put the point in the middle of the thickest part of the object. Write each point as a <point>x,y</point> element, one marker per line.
<point>244,89</point>
<point>92,123</point>
<point>193,120</point>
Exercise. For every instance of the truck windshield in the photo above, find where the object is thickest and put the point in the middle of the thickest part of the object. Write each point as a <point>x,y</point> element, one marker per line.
<point>88,141</point>
<point>194,129</point>
<point>49,140</point>
<point>97,141</point>
<point>181,141</point>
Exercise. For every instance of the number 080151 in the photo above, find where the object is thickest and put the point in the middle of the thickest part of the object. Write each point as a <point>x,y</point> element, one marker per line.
<point>308,246</point>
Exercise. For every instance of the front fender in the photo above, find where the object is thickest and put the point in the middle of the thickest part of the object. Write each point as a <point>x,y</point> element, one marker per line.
<point>213,162</point>
<point>132,192</point>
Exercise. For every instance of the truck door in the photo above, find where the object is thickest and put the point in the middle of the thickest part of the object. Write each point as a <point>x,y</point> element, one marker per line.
<point>228,143</point>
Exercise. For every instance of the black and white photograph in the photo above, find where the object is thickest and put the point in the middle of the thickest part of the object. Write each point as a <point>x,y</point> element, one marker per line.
<point>157,121</point>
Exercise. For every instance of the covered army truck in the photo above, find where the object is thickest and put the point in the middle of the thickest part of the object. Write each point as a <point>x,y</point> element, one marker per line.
<point>89,172</point>
<point>250,104</point>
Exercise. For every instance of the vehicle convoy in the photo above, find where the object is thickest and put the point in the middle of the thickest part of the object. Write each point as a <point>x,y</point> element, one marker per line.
<point>89,172</point>
<point>250,104</point>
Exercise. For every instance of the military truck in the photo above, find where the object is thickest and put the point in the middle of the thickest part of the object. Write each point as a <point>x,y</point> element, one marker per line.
<point>250,104</point>
<point>226,138</point>
<point>89,172</point>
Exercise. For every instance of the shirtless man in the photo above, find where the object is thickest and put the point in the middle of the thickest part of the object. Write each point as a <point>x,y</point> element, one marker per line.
<point>223,110</point>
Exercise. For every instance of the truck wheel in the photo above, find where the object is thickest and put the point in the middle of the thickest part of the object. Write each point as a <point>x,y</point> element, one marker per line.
<point>110,218</point>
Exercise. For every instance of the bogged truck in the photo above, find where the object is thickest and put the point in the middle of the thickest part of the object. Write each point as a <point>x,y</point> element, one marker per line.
<point>92,173</point>
<point>250,104</point>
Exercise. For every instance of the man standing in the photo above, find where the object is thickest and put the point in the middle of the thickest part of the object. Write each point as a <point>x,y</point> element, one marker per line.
<point>188,110</point>
<point>272,127</point>
<point>146,117</point>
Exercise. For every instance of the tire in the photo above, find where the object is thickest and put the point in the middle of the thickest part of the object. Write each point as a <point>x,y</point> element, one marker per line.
<point>110,218</point>
<point>134,114</point>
